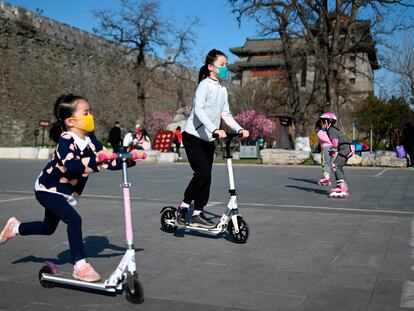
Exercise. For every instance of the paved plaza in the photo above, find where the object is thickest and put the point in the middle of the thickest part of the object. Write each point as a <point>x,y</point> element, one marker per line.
<point>305,251</point>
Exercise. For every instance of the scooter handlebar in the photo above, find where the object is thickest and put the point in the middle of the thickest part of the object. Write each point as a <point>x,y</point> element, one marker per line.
<point>229,135</point>
<point>133,155</point>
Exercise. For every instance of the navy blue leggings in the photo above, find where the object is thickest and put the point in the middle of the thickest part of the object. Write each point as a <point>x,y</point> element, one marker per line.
<point>57,209</point>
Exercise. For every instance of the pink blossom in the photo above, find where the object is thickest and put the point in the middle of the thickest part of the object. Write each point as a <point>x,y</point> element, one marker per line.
<point>257,123</point>
<point>157,120</point>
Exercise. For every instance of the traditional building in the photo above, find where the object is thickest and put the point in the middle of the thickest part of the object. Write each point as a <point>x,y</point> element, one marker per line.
<point>262,59</point>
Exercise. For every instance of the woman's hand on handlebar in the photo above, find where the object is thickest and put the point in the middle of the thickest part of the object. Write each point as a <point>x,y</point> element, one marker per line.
<point>220,134</point>
<point>244,133</point>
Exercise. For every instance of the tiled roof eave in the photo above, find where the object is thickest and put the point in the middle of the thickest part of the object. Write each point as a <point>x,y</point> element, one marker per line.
<point>246,52</point>
<point>255,65</point>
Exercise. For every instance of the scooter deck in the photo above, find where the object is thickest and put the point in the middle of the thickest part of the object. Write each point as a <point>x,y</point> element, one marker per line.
<point>192,227</point>
<point>66,278</point>
<point>62,277</point>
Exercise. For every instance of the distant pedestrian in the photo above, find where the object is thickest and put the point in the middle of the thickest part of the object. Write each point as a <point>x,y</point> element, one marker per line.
<point>177,140</point>
<point>261,142</point>
<point>115,137</point>
<point>408,141</point>
<point>128,141</point>
<point>137,131</point>
<point>142,142</point>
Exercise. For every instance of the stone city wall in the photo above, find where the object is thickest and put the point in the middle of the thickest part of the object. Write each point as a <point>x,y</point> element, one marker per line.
<point>42,59</point>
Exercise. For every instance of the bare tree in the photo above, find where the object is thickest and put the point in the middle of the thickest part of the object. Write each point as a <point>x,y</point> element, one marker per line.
<point>401,62</point>
<point>274,17</point>
<point>141,29</point>
<point>332,30</point>
<point>264,97</point>
<point>344,28</point>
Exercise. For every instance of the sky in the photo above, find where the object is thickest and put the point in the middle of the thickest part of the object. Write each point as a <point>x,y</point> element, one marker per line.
<point>218,25</point>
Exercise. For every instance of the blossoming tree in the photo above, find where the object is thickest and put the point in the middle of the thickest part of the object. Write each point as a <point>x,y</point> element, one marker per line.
<point>157,120</point>
<point>257,123</point>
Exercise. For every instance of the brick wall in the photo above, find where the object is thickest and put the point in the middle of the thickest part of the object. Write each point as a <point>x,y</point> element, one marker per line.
<point>41,59</point>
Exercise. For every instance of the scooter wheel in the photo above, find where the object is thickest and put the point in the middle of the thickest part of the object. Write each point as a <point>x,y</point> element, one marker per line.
<point>242,235</point>
<point>44,283</point>
<point>137,295</point>
<point>168,215</point>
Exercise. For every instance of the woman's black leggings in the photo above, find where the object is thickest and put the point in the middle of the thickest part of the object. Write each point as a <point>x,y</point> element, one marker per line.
<point>200,154</point>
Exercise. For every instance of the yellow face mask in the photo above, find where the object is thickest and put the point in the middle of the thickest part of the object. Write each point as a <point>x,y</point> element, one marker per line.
<point>88,123</point>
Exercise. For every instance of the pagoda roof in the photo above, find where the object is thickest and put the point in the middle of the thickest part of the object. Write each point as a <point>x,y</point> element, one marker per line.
<point>275,61</point>
<point>263,46</point>
<point>257,47</point>
<point>273,46</point>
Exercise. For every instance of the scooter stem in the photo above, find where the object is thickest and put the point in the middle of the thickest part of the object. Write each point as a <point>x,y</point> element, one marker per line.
<point>231,177</point>
<point>127,205</point>
<point>229,157</point>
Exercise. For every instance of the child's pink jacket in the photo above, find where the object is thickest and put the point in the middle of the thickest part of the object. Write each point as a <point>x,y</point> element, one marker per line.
<point>323,138</point>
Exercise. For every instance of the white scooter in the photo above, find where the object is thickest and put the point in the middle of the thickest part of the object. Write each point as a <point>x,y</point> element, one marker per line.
<point>49,274</point>
<point>231,220</point>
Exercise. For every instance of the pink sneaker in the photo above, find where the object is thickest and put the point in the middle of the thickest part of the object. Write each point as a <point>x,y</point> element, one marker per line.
<point>7,232</point>
<point>86,273</point>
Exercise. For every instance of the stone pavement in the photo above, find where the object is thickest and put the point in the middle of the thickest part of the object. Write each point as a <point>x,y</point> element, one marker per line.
<point>305,251</point>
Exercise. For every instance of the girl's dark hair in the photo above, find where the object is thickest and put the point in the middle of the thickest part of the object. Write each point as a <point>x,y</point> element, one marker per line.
<point>64,108</point>
<point>144,134</point>
<point>317,125</point>
<point>210,59</point>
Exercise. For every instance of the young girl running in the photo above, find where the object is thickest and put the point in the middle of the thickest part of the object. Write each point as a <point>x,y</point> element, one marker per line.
<point>341,148</point>
<point>326,159</point>
<point>209,107</point>
<point>62,181</point>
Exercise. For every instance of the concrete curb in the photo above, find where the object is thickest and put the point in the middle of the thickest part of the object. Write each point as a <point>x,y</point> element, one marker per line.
<point>39,153</point>
<point>26,153</point>
<point>155,156</point>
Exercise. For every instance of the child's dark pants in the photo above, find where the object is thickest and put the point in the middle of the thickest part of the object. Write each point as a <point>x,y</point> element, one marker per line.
<point>57,209</point>
<point>340,162</point>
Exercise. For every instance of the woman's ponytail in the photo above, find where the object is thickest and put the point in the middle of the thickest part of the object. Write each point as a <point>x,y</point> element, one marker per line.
<point>203,73</point>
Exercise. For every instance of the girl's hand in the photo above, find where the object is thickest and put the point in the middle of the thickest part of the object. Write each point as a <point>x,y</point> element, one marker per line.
<point>245,133</point>
<point>220,133</point>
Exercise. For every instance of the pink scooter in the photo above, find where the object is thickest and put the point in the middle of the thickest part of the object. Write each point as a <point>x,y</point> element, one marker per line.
<point>49,274</point>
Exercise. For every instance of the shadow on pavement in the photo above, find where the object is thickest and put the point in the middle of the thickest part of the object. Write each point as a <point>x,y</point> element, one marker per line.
<point>94,246</point>
<point>310,181</point>
<point>320,191</point>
